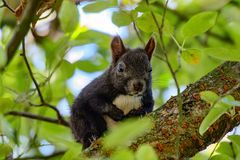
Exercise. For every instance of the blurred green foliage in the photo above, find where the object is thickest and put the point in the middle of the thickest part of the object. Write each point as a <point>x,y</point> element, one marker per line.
<point>220,105</point>
<point>198,35</point>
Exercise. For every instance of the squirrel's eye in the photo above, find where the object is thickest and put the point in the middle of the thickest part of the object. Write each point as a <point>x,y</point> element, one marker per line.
<point>120,68</point>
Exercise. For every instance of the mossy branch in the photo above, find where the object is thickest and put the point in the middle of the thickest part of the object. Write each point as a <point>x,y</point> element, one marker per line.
<point>163,136</point>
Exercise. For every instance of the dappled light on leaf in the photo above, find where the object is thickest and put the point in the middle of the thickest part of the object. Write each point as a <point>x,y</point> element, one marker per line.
<point>199,24</point>
<point>191,56</point>
<point>126,132</point>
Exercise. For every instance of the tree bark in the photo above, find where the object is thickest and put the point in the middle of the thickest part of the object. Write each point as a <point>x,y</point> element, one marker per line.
<point>166,131</point>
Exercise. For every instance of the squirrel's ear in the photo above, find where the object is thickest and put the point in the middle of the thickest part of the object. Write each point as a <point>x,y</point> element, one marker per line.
<point>150,47</point>
<point>117,47</point>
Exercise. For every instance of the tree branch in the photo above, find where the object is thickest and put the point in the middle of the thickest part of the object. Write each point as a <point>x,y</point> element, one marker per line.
<point>22,29</point>
<point>7,6</point>
<point>30,70</point>
<point>222,80</point>
<point>43,157</point>
<point>36,117</point>
<point>160,32</point>
<point>138,33</point>
<point>43,103</point>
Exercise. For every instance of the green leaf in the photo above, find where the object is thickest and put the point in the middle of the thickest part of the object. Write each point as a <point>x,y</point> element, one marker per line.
<point>55,50</point>
<point>214,114</point>
<point>69,96</point>
<point>199,24</point>
<point>200,156</point>
<point>58,136</point>
<point>147,24</point>
<point>1,15</point>
<point>1,86</point>
<point>226,54</point>
<point>235,139</point>
<point>92,36</point>
<point>6,104</point>
<point>191,56</point>
<point>66,70</point>
<point>73,153</point>
<point>221,157</point>
<point>6,150</point>
<point>68,16</point>
<point>225,148</point>
<point>92,65</point>
<point>125,154</point>
<point>123,18</point>
<point>238,156</point>
<point>163,80</point>
<point>209,96</point>
<point>3,57</point>
<point>98,6</point>
<point>143,7</point>
<point>127,131</point>
<point>6,34</point>
<point>146,152</point>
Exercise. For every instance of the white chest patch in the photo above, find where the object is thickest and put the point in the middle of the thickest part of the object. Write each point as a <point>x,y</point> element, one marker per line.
<point>126,103</point>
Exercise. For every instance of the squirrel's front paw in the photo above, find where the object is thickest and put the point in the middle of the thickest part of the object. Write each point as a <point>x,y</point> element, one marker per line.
<point>135,113</point>
<point>116,114</point>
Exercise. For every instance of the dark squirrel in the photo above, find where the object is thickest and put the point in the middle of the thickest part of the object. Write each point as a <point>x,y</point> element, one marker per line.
<point>123,90</point>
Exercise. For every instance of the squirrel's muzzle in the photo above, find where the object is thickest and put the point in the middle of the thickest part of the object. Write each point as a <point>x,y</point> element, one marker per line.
<point>136,86</point>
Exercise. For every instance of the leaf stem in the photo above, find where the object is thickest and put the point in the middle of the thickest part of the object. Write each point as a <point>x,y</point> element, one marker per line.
<point>36,117</point>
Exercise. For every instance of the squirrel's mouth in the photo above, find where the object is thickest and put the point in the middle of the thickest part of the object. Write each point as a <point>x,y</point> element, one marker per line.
<point>136,87</point>
<point>136,94</point>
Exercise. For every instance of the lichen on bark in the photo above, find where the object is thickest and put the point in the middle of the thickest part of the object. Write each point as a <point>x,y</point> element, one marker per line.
<point>163,135</point>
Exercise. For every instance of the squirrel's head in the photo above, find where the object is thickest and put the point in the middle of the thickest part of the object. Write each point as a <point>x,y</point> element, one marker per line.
<point>131,68</point>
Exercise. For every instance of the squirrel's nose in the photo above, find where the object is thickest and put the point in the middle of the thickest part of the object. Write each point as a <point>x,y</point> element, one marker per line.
<point>138,86</point>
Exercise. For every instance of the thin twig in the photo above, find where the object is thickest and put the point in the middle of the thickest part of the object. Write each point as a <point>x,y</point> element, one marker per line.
<point>7,6</point>
<point>30,71</point>
<point>163,48</point>
<point>159,32</point>
<point>214,103</point>
<point>138,33</point>
<point>43,157</point>
<point>234,88</point>
<point>43,103</point>
<point>36,117</point>
<point>162,25</point>
<point>51,74</point>
<point>160,28</point>
<point>179,61</point>
<point>158,57</point>
<point>215,147</point>
<point>231,144</point>
<point>47,79</point>
<point>49,106</point>
<point>22,29</point>
<point>176,42</point>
